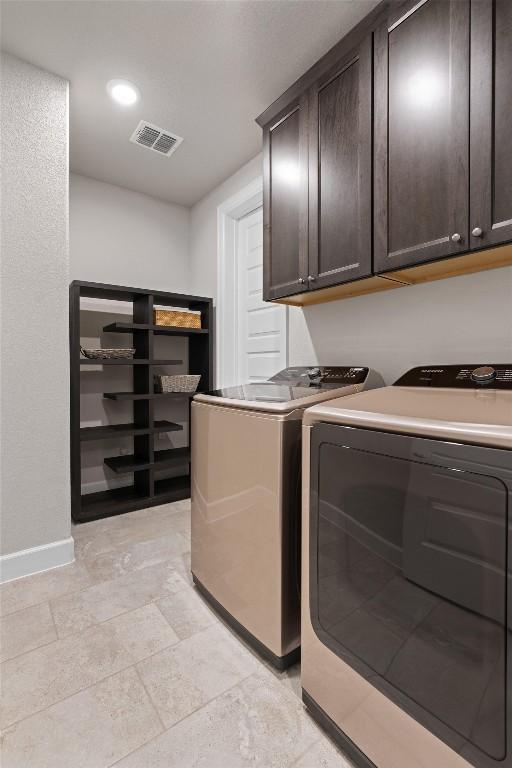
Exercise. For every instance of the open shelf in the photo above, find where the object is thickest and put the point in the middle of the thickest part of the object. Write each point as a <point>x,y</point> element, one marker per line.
<point>117,501</point>
<point>147,488</point>
<point>146,395</point>
<point>126,430</point>
<point>162,330</point>
<point>127,361</point>
<point>172,489</point>
<point>168,457</point>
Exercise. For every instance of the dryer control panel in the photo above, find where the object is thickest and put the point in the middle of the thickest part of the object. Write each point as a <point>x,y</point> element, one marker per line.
<point>476,376</point>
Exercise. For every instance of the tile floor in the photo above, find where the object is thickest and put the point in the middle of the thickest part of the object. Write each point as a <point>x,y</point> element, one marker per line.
<point>117,661</point>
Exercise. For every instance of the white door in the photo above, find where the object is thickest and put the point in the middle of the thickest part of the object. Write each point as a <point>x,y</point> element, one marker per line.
<point>262,342</point>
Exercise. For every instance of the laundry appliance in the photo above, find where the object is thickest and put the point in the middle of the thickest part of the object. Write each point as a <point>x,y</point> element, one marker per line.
<point>406,611</point>
<point>246,459</point>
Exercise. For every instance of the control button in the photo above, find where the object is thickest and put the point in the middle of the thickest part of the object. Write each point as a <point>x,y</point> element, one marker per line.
<point>314,373</point>
<point>483,374</point>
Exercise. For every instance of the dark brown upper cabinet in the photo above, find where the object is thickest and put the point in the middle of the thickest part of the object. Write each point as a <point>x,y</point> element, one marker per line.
<point>340,172</point>
<point>490,206</point>
<point>389,162</point>
<point>421,133</point>
<point>285,213</point>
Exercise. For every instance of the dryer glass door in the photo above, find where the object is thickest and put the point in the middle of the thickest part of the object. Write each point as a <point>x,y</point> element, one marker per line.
<point>408,576</point>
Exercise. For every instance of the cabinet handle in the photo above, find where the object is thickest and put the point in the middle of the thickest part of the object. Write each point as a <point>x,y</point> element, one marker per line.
<point>301,280</point>
<point>477,232</point>
<point>311,278</point>
<point>456,238</point>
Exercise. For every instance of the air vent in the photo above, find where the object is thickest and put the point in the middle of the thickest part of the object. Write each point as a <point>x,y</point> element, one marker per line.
<point>155,138</point>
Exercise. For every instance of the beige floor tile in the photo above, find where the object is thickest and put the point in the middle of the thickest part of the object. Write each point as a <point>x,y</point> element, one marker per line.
<point>41,587</point>
<point>134,557</point>
<point>25,630</point>
<point>187,613</point>
<point>104,536</point>
<point>182,565</point>
<point>144,631</point>
<point>256,724</point>
<point>186,676</point>
<point>91,729</point>
<point>291,679</point>
<point>323,754</point>
<point>110,598</point>
<point>43,677</point>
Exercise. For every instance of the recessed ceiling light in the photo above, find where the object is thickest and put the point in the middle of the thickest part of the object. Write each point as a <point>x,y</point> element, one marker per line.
<point>123,92</point>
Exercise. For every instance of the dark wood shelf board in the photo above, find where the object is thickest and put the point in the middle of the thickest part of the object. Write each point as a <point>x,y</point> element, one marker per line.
<point>166,458</point>
<point>130,361</point>
<point>159,330</point>
<point>117,501</point>
<point>147,396</point>
<point>172,489</point>
<point>126,430</point>
<point>125,293</point>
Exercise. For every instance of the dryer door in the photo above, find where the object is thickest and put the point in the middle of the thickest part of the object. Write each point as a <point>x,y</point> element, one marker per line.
<point>408,564</point>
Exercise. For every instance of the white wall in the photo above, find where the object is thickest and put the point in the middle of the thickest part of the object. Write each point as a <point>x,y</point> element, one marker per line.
<point>464,319</point>
<point>127,238</point>
<point>203,228</point>
<point>35,276</point>
<point>460,319</point>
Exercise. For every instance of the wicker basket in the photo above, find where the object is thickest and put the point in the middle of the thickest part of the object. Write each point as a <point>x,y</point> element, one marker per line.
<point>178,383</point>
<point>176,318</point>
<point>124,353</point>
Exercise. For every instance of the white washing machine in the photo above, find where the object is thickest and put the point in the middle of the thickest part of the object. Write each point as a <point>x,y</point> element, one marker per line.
<point>246,458</point>
<point>406,610</point>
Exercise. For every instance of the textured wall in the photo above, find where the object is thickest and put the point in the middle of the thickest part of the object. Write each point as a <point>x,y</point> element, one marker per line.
<point>126,238</point>
<point>35,276</point>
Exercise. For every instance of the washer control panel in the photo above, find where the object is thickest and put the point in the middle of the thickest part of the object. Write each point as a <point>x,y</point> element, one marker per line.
<point>478,376</point>
<point>322,375</point>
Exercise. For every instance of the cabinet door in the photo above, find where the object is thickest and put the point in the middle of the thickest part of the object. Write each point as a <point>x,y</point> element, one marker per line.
<point>340,158</point>
<point>491,123</point>
<point>285,215</point>
<point>421,134</point>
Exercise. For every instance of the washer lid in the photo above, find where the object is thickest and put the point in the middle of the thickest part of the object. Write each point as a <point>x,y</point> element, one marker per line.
<point>480,417</point>
<point>276,398</point>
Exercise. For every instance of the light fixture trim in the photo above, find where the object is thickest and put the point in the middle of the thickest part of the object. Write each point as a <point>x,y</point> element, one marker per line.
<point>123,92</point>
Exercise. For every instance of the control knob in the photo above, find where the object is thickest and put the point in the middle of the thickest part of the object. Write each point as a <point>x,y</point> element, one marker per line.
<point>314,373</point>
<point>483,374</point>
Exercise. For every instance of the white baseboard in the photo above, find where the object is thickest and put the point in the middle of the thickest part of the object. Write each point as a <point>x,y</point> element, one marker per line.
<point>29,561</point>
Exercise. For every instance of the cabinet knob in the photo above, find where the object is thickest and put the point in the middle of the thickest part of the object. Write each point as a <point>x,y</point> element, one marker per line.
<point>311,278</point>
<point>477,232</point>
<point>301,280</point>
<point>456,238</point>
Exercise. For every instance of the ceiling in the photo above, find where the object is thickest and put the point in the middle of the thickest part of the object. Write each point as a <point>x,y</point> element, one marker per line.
<point>205,68</point>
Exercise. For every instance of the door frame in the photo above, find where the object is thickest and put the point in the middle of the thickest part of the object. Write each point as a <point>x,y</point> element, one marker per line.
<point>229,212</point>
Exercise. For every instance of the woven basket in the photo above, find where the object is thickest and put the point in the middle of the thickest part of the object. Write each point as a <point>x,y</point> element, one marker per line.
<point>108,354</point>
<point>178,383</point>
<point>177,319</point>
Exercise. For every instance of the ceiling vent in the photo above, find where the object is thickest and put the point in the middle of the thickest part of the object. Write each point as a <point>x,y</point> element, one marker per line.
<point>155,138</point>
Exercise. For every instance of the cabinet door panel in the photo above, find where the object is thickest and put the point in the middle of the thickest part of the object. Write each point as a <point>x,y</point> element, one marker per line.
<point>491,122</point>
<point>340,172</point>
<point>421,134</point>
<point>285,203</point>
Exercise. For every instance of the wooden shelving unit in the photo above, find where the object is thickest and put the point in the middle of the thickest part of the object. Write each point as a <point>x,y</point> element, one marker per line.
<point>147,489</point>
